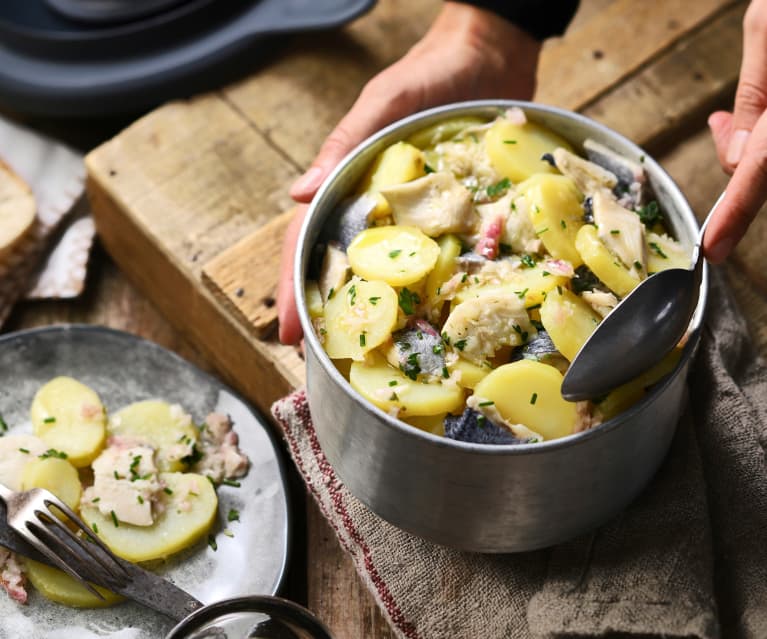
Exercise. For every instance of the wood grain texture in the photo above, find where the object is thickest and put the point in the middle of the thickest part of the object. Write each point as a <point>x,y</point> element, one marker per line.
<point>242,277</point>
<point>615,43</point>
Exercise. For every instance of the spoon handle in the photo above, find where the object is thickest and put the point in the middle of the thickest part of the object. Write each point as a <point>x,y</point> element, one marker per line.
<point>697,252</point>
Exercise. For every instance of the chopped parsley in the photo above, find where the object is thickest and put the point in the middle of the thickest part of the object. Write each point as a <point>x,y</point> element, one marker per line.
<point>49,420</point>
<point>352,294</point>
<point>393,397</point>
<point>438,349</point>
<point>460,344</point>
<point>24,450</point>
<point>464,277</point>
<point>650,213</point>
<point>654,246</point>
<point>563,224</point>
<point>231,482</point>
<point>487,403</point>
<point>521,294</point>
<point>234,515</point>
<point>114,519</point>
<point>494,190</point>
<point>373,300</point>
<point>509,141</point>
<point>393,382</point>
<point>411,367</point>
<point>408,300</point>
<point>331,292</point>
<point>446,338</point>
<point>212,542</point>
<point>534,398</point>
<point>95,500</point>
<point>3,425</point>
<point>528,261</point>
<point>117,476</point>
<point>167,491</point>
<point>445,372</point>
<point>362,339</point>
<point>394,253</point>
<point>427,169</point>
<point>638,266</point>
<point>192,458</point>
<point>95,527</point>
<point>615,232</point>
<point>542,231</point>
<point>481,419</point>
<point>545,274</point>
<point>140,499</point>
<point>52,452</point>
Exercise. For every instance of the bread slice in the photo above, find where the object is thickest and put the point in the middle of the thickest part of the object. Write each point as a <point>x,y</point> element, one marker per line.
<point>17,209</point>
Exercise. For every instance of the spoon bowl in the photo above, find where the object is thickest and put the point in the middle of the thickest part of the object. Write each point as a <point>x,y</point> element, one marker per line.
<point>642,329</point>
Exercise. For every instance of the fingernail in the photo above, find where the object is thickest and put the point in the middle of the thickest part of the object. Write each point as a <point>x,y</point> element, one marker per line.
<point>309,181</point>
<point>719,251</point>
<point>737,144</point>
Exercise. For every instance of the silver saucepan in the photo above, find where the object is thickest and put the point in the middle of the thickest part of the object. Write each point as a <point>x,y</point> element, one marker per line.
<point>477,497</point>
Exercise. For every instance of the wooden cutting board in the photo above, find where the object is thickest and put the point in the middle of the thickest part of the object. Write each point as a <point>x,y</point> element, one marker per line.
<point>190,200</point>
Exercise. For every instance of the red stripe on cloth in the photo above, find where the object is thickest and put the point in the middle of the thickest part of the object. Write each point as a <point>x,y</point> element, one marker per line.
<point>334,487</point>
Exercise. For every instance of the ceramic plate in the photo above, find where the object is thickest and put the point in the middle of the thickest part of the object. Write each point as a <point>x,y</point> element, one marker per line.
<point>123,368</point>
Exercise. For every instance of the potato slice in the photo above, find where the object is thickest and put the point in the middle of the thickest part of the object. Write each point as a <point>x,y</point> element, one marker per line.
<point>604,264</point>
<point>449,249</point>
<point>664,253</point>
<point>56,475</point>
<point>515,150</point>
<point>399,163</point>
<point>358,318</point>
<point>187,512</point>
<point>568,320</point>
<point>164,427</point>
<point>313,299</point>
<point>397,255</point>
<point>434,424</point>
<point>16,451</point>
<point>69,417</point>
<point>389,389</point>
<point>554,206</point>
<point>468,374</point>
<point>630,393</point>
<point>444,130</point>
<point>58,586</point>
<point>529,393</point>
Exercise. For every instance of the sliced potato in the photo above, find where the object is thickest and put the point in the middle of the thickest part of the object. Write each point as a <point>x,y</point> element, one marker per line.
<point>55,475</point>
<point>187,512</point>
<point>515,150</point>
<point>664,253</point>
<point>397,255</point>
<point>164,427</point>
<point>444,130</point>
<point>568,320</point>
<point>389,389</point>
<point>69,417</point>
<point>630,393</point>
<point>604,264</point>
<point>313,299</point>
<point>358,318</point>
<point>449,249</point>
<point>401,162</point>
<point>529,393</point>
<point>468,374</point>
<point>554,206</point>
<point>58,586</point>
<point>434,424</point>
<point>16,451</point>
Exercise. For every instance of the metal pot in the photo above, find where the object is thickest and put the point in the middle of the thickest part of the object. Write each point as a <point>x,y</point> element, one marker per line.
<point>480,497</point>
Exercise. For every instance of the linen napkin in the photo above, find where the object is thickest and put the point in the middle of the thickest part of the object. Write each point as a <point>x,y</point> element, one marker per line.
<point>56,175</point>
<point>687,559</point>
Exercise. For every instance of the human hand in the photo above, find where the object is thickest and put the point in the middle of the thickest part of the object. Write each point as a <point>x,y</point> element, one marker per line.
<point>467,54</point>
<point>741,142</point>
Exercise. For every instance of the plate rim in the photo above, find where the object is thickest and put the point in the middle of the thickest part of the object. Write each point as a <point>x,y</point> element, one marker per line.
<point>65,328</point>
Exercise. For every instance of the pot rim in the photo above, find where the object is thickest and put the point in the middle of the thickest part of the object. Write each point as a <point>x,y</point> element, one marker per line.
<point>481,107</point>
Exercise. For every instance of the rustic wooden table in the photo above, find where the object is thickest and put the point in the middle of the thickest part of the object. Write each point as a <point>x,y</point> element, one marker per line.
<point>655,68</point>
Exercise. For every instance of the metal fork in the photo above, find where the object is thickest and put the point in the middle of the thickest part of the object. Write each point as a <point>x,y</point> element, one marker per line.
<point>46,522</point>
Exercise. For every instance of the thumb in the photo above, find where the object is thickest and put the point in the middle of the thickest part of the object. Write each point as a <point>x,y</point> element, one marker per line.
<point>720,124</point>
<point>751,95</point>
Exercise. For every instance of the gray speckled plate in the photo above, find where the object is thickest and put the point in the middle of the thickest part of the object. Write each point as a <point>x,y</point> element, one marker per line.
<point>123,368</point>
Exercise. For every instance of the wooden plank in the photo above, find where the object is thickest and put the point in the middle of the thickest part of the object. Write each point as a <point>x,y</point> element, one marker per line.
<point>615,43</point>
<point>243,277</point>
<point>678,92</point>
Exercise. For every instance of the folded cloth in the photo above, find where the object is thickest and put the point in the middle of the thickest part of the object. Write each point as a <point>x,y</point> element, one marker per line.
<point>56,175</point>
<point>649,572</point>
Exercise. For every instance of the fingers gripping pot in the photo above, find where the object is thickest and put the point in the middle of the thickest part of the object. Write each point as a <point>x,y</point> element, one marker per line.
<point>490,498</point>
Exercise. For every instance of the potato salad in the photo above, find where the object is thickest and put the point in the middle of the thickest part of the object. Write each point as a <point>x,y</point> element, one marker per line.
<point>455,286</point>
<point>143,478</point>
